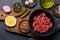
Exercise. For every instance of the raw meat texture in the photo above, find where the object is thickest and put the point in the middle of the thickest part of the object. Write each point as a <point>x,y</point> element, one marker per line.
<point>42,23</point>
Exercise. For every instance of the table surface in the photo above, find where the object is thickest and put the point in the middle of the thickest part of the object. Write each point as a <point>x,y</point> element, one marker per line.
<point>4,35</point>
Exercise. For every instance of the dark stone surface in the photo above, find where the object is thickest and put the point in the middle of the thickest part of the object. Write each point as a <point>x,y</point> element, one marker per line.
<point>4,35</point>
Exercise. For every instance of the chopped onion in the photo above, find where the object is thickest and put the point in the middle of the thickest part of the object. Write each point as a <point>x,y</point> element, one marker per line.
<point>6,8</point>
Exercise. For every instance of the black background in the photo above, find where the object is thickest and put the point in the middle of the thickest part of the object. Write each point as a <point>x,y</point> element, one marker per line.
<point>4,35</point>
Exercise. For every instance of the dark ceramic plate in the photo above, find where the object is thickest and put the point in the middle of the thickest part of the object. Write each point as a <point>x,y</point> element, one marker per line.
<point>30,5</point>
<point>37,12</point>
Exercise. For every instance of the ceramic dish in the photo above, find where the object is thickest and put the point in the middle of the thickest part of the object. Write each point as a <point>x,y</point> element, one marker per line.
<point>24,26</point>
<point>30,4</point>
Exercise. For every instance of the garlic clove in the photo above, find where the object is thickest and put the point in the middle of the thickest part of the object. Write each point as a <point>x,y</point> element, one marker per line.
<point>30,1</point>
<point>26,2</point>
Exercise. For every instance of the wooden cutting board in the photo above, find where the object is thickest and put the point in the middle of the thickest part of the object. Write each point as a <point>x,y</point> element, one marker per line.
<point>15,29</point>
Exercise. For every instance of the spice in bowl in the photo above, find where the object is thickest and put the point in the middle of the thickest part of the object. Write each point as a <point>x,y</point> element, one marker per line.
<point>24,26</point>
<point>17,7</point>
<point>57,10</point>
